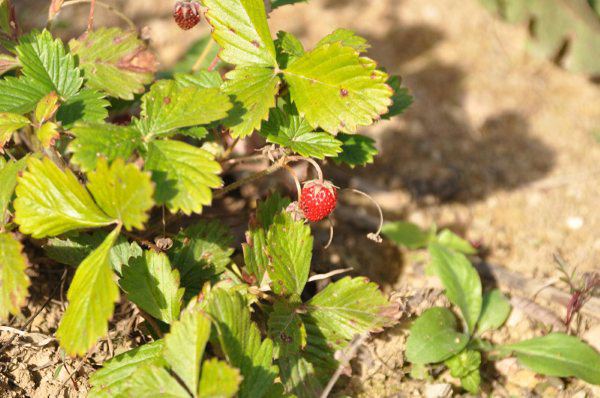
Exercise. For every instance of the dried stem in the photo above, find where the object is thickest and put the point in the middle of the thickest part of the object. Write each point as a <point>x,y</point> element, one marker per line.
<point>104,5</point>
<point>90,25</point>
<point>374,236</point>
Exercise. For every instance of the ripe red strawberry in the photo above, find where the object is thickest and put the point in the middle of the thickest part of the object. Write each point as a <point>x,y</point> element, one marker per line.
<point>186,14</point>
<point>318,199</point>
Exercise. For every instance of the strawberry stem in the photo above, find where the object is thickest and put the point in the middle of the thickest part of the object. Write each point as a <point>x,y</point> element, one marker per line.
<point>374,236</point>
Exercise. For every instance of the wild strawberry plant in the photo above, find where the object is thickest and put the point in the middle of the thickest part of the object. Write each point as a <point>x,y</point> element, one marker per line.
<point>95,150</point>
<point>436,337</point>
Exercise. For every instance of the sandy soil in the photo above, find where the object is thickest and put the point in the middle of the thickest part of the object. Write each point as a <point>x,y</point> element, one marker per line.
<point>499,146</point>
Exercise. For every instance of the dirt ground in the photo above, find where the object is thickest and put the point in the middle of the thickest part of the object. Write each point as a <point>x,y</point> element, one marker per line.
<point>499,146</point>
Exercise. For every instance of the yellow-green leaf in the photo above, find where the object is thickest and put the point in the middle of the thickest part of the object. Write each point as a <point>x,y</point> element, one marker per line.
<point>122,191</point>
<point>92,296</point>
<point>9,123</point>
<point>47,134</point>
<point>13,279</point>
<point>218,380</point>
<point>51,201</point>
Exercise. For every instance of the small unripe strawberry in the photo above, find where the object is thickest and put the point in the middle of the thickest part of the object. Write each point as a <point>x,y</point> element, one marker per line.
<point>186,14</point>
<point>318,199</point>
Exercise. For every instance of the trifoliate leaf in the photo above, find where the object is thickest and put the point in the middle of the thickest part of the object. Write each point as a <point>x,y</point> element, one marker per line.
<point>408,234</point>
<point>92,296</point>
<point>434,338</point>
<point>241,343</point>
<point>451,241</point>
<point>169,106</point>
<point>241,29</point>
<point>51,201</point>
<point>495,309</point>
<point>114,376</point>
<point>288,129</point>
<point>401,99</point>
<point>74,249</point>
<point>114,61</point>
<point>558,354</point>
<point>289,246</point>
<point>8,181</point>
<point>122,191</point>
<point>218,380</point>
<point>286,329</point>
<point>336,89</point>
<point>461,281</point>
<point>347,38</point>
<point>85,106</point>
<point>184,175</point>
<point>288,48</point>
<point>153,285</point>
<point>202,78</point>
<point>253,92</point>
<point>47,134</point>
<point>14,282</point>
<point>299,377</point>
<point>200,252</point>
<point>349,307</point>
<point>95,140</point>
<point>46,107</point>
<point>45,61</point>
<point>20,95</point>
<point>150,381</point>
<point>184,346</point>
<point>9,123</point>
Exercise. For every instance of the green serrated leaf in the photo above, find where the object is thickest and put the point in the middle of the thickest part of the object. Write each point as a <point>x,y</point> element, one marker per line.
<point>47,134</point>
<point>299,377</point>
<point>286,329</point>
<point>253,90</point>
<point>464,363</point>
<point>434,338</point>
<point>8,181</point>
<point>357,150</point>
<point>9,123</point>
<point>201,252</point>
<point>114,376</point>
<point>289,246</point>
<point>348,307</point>
<point>336,89</point>
<point>92,296</point>
<point>451,241</point>
<point>150,381</point>
<point>346,37</point>
<point>286,128</point>
<point>278,3</point>
<point>122,191</point>
<point>46,62</point>
<point>153,285</point>
<point>203,78</point>
<point>495,309</point>
<point>114,61</point>
<point>241,343</point>
<point>14,282</point>
<point>8,63</point>
<point>461,281</point>
<point>184,346</point>
<point>558,354</point>
<point>95,140</point>
<point>240,27</point>
<point>85,106</point>
<point>218,380</point>
<point>20,95</point>
<point>169,106</point>
<point>51,201</point>
<point>407,234</point>
<point>184,175</point>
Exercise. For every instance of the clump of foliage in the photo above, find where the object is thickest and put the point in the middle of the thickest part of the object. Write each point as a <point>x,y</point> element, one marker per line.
<point>436,337</point>
<point>80,182</point>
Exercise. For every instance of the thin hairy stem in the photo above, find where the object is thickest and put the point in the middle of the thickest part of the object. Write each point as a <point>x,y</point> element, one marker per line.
<point>104,5</point>
<point>374,236</point>
<point>211,43</point>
